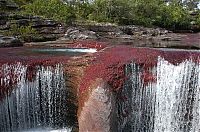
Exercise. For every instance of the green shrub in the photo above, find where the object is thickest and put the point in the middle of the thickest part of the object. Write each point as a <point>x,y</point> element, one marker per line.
<point>198,21</point>
<point>173,16</point>
<point>141,12</point>
<point>145,12</point>
<point>25,33</point>
<point>52,9</point>
<point>115,11</point>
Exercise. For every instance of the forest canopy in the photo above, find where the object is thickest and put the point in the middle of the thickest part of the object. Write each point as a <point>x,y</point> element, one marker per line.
<point>163,13</point>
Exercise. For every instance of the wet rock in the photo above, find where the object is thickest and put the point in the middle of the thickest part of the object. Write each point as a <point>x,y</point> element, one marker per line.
<point>9,41</point>
<point>97,113</point>
<point>74,33</point>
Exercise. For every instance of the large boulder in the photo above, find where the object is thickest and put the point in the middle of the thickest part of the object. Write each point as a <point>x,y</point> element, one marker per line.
<point>97,113</point>
<point>74,33</point>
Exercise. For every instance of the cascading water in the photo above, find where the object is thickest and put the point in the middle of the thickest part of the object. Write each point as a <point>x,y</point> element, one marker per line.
<point>177,97</point>
<point>37,105</point>
<point>136,111</point>
<point>171,103</point>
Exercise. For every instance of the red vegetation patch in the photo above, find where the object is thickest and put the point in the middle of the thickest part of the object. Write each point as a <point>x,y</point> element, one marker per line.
<point>14,55</point>
<point>88,44</point>
<point>31,73</point>
<point>147,77</point>
<point>109,64</point>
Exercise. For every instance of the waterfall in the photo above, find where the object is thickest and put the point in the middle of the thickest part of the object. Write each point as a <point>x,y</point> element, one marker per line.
<point>27,105</point>
<point>177,97</point>
<point>169,104</point>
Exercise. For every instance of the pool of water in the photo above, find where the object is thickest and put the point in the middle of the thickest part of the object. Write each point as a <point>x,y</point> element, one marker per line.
<point>64,51</point>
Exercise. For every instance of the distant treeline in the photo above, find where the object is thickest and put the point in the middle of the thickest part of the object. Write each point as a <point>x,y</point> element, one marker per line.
<point>171,14</point>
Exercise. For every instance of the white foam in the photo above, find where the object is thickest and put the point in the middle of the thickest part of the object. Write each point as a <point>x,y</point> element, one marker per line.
<point>81,50</point>
<point>48,130</point>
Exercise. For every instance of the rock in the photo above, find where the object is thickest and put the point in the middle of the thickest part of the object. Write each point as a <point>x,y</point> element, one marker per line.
<point>46,30</point>
<point>3,16</point>
<point>23,22</point>
<point>7,4</point>
<point>3,22</point>
<point>127,30</point>
<point>9,41</point>
<point>97,113</point>
<point>78,34</point>
<point>142,31</point>
<point>38,23</point>
<point>60,29</point>
<point>41,38</point>
<point>14,16</point>
<point>5,26</point>
<point>52,30</point>
<point>170,38</point>
<point>103,28</point>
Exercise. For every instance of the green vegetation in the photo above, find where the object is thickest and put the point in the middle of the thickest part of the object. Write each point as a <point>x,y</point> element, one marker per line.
<point>53,9</point>
<point>173,14</point>
<point>25,33</point>
<point>142,12</point>
<point>198,20</point>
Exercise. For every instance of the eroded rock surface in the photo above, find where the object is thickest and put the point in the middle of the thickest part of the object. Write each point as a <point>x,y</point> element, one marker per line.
<point>136,36</point>
<point>74,33</point>
<point>97,113</point>
<point>40,29</point>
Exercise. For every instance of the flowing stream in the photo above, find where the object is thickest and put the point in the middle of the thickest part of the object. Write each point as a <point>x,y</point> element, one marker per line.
<point>37,105</point>
<point>170,104</point>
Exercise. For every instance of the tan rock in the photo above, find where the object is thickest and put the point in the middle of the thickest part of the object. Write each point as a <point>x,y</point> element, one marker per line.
<point>96,114</point>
